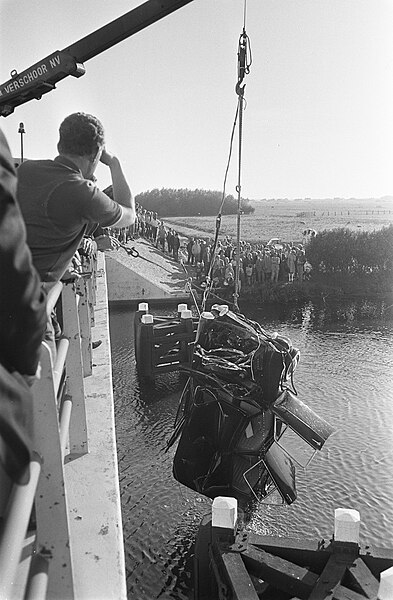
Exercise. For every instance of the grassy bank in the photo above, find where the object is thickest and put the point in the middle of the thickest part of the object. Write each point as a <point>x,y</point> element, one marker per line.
<point>321,287</point>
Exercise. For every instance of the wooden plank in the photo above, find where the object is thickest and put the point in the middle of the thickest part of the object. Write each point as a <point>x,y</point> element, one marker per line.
<point>167,328</point>
<point>237,577</point>
<point>202,573</point>
<point>271,543</point>
<point>280,573</point>
<point>315,553</point>
<point>172,339</point>
<point>329,580</point>
<point>166,368</point>
<point>361,578</point>
<point>377,559</point>
<point>168,357</point>
<point>260,586</point>
<point>343,593</point>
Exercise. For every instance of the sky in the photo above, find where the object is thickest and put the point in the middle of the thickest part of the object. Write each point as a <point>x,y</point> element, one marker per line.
<point>318,118</point>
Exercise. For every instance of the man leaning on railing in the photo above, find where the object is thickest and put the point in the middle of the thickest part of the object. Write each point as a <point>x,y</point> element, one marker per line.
<point>60,201</point>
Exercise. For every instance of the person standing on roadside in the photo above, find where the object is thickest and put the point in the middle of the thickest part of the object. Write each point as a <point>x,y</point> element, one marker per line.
<point>301,259</point>
<point>275,267</point>
<point>291,260</point>
<point>190,244</point>
<point>161,236</point>
<point>266,266</point>
<point>176,246</point>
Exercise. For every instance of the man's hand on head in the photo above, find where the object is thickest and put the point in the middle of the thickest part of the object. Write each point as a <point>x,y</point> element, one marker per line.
<point>107,158</point>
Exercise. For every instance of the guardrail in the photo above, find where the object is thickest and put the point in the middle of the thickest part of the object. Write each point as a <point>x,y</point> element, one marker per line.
<point>59,414</point>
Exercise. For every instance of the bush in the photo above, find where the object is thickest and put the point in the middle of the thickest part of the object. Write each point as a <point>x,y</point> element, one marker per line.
<point>346,252</point>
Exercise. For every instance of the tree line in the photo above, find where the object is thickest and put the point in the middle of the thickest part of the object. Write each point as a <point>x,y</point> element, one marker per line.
<point>352,252</point>
<point>189,203</point>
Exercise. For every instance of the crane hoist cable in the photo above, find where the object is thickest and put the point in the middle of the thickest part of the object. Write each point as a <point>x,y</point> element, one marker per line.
<point>244,61</point>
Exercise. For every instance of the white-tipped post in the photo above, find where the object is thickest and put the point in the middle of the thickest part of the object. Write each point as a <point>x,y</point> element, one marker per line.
<point>385,591</point>
<point>147,319</point>
<point>181,307</point>
<point>346,525</point>
<point>224,513</point>
<point>185,314</point>
<point>143,307</point>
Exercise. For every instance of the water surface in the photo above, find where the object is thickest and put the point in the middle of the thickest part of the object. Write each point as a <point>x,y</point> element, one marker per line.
<point>344,374</point>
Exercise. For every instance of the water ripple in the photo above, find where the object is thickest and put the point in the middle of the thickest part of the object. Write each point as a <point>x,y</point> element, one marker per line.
<point>345,375</point>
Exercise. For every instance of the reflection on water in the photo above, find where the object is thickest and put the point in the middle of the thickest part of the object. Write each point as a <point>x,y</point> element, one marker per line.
<point>344,375</point>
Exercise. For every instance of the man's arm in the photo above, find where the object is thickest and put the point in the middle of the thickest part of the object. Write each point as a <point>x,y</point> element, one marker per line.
<point>121,191</point>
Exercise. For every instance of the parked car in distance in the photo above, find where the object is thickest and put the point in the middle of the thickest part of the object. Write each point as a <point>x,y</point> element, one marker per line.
<point>275,243</point>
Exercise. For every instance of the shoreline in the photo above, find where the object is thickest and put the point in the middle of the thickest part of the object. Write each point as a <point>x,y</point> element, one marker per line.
<point>318,289</point>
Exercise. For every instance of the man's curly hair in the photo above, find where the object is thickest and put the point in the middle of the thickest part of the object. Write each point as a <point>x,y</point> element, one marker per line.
<point>80,135</point>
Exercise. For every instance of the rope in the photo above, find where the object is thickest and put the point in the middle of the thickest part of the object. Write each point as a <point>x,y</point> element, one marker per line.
<point>244,14</point>
<point>244,64</point>
<point>243,68</point>
<point>209,279</point>
<point>189,288</point>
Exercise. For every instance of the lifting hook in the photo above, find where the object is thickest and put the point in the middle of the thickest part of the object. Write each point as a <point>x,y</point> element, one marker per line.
<point>242,67</point>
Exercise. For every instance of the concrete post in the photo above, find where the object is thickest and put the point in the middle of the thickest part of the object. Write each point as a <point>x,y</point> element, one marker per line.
<point>145,351</point>
<point>385,591</point>
<point>224,519</point>
<point>187,327</point>
<point>143,309</point>
<point>181,308</point>
<point>147,319</point>
<point>346,525</point>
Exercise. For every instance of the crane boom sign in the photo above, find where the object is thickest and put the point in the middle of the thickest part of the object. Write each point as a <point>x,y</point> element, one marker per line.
<point>42,77</point>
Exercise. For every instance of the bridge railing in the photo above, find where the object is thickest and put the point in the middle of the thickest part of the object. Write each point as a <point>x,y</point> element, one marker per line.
<point>36,517</point>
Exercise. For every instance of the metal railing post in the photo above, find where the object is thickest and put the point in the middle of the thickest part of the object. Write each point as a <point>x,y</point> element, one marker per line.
<point>15,527</point>
<point>78,442</point>
<point>51,500</point>
<point>84,311</point>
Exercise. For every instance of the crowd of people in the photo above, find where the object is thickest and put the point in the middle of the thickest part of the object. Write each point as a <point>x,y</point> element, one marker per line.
<point>259,264</point>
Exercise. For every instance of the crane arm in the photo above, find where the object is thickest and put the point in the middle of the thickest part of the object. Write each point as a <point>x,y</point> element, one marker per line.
<point>42,77</point>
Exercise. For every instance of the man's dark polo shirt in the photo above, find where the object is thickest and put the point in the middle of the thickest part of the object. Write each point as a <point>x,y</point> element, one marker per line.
<point>57,205</point>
